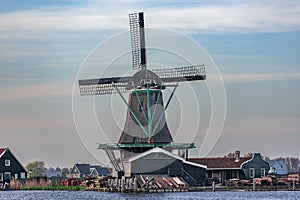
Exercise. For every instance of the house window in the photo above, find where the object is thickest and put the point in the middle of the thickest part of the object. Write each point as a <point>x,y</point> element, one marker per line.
<point>7,163</point>
<point>16,176</point>
<point>22,174</point>
<point>262,172</point>
<point>1,177</point>
<point>251,172</point>
<point>209,174</point>
<point>7,175</point>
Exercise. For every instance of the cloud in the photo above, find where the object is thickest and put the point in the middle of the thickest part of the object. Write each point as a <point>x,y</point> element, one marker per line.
<point>250,16</point>
<point>244,78</point>
<point>35,91</point>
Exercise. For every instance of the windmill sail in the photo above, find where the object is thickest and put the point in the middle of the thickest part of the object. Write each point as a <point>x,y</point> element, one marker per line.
<point>137,33</point>
<point>180,74</point>
<point>103,85</point>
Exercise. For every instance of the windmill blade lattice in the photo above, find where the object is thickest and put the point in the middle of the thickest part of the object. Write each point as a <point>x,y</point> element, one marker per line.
<point>180,74</point>
<point>103,86</point>
<point>137,33</point>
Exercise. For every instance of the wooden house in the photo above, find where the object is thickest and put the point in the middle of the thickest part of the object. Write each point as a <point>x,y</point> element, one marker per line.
<point>84,170</point>
<point>10,167</point>
<point>278,167</point>
<point>221,169</point>
<point>161,162</point>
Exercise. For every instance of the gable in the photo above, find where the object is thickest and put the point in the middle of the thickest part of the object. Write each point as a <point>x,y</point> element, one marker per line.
<point>161,154</point>
<point>83,168</point>
<point>256,162</point>
<point>74,170</point>
<point>14,165</point>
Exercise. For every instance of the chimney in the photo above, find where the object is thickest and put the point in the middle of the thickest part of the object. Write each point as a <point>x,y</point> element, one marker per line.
<point>237,156</point>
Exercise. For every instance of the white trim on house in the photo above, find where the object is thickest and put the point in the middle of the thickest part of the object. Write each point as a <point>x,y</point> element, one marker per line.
<point>3,152</point>
<point>13,155</point>
<point>252,175</point>
<point>23,175</point>
<point>262,172</point>
<point>7,163</point>
<point>224,168</point>
<point>241,166</point>
<point>160,150</point>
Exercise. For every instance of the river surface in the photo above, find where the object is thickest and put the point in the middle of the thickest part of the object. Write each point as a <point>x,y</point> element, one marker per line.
<point>82,195</point>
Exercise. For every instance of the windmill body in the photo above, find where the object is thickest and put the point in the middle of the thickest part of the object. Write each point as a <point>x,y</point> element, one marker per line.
<point>145,127</point>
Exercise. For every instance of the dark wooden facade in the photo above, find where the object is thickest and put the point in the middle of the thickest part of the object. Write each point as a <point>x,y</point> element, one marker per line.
<point>10,167</point>
<point>256,167</point>
<point>138,101</point>
<point>221,169</point>
<point>162,162</point>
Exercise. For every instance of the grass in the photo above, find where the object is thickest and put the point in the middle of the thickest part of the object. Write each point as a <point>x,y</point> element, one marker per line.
<point>58,187</point>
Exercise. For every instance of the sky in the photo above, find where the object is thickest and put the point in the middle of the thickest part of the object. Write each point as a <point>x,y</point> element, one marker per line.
<point>44,44</point>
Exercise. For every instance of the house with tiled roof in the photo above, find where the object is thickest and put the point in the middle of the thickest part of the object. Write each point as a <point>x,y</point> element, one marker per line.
<point>10,167</point>
<point>84,170</point>
<point>221,169</point>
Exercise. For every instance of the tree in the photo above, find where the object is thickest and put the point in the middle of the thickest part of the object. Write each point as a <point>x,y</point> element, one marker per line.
<point>249,154</point>
<point>35,168</point>
<point>229,155</point>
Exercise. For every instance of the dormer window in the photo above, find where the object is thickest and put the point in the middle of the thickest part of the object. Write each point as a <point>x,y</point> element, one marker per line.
<point>7,163</point>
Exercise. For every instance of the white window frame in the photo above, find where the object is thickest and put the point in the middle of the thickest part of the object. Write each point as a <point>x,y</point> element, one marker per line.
<point>23,175</point>
<point>262,172</point>
<point>251,172</point>
<point>1,177</point>
<point>7,163</point>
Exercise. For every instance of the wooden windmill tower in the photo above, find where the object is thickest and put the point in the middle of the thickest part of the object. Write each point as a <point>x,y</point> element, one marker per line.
<point>145,127</point>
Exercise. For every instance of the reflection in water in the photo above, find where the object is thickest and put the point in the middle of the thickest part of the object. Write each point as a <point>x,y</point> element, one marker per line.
<point>66,195</point>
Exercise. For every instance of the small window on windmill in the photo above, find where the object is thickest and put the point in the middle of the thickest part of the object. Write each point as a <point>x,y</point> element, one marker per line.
<point>154,98</point>
<point>136,140</point>
<point>141,106</point>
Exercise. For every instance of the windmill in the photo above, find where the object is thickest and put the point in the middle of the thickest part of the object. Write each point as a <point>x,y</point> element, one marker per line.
<point>145,126</point>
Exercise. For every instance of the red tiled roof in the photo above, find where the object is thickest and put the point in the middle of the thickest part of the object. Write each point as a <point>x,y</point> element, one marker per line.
<point>220,163</point>
<point>2,150</point>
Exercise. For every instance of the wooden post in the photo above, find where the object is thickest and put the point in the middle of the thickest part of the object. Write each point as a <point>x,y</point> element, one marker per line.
<point>123,189</point>
<point>135,185</point>
<point>293,184</point>
<point>213,187</point>
<point>254,186</point>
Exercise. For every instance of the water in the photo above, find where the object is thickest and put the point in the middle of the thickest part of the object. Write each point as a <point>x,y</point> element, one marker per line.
<point>65,195</point>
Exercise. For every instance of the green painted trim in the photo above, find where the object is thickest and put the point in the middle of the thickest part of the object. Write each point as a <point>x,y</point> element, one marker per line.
<point>131,111</point>
<point>169,100</point>
<point>156,106</point>
<point>140,104</point>
<point>149,111</point>
<point>153,145</point>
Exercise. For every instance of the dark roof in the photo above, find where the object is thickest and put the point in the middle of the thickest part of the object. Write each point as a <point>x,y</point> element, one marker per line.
<point>86,169</point>
<point>220,162</point>
<point>2,150</point>
<point>83,168</point>
<point>163,151</point>
<point>102,171</point>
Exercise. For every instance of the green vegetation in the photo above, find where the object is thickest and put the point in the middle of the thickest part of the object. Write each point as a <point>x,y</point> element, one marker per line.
<point>58,187</point>
<point>35,169</point>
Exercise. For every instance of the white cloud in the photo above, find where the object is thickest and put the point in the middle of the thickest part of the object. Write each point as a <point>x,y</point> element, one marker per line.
<point>247,17</point>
